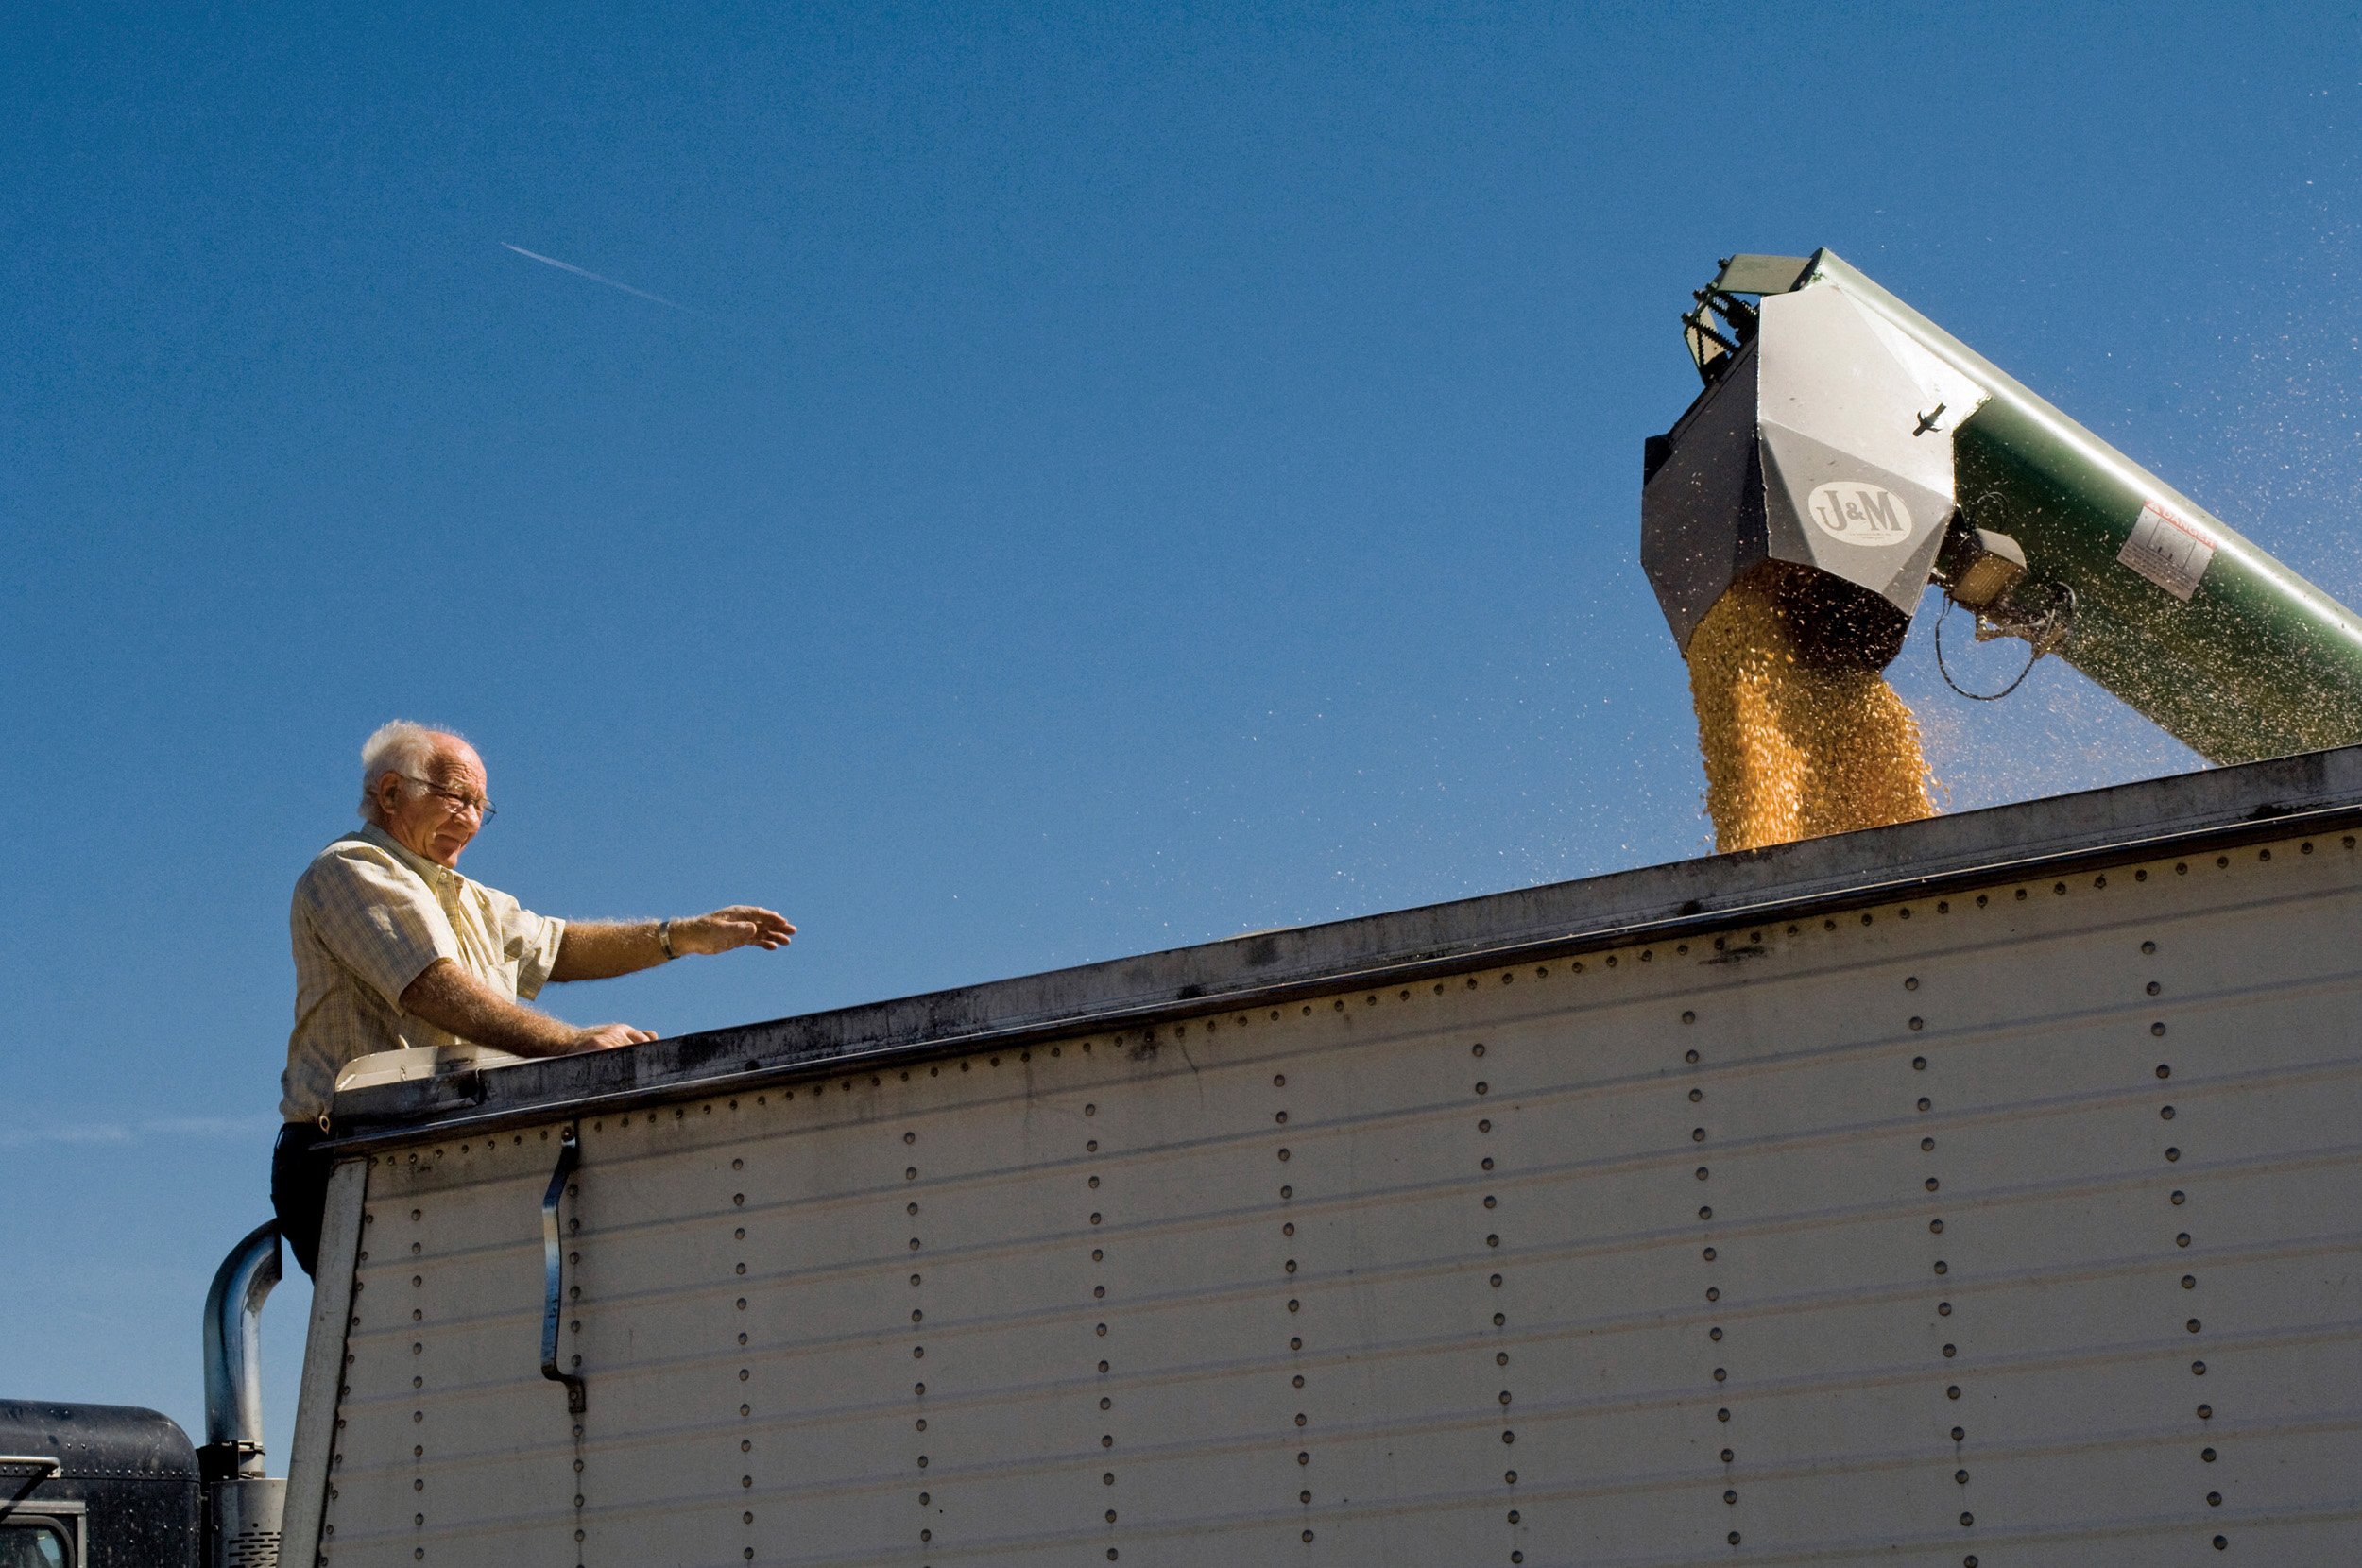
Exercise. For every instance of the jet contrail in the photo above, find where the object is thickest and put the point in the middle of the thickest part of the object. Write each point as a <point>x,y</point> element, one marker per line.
<point>583,272</point>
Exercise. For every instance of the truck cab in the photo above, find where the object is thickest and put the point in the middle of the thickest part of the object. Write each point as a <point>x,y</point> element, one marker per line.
<point>95,1486</point>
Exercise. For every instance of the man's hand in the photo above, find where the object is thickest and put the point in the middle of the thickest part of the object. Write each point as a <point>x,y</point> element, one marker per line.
<point>609,1037</point>
<point>740,925</point>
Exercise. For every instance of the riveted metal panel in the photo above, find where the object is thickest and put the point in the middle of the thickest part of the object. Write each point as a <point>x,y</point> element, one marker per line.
<point>313,1452</point>
<point>2014,1224</point>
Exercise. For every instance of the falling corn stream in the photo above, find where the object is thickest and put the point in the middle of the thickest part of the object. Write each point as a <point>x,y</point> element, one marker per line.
<point>1796,744</point>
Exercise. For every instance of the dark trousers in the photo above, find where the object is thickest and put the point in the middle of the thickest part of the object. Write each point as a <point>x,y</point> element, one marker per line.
<point>299,1189</point>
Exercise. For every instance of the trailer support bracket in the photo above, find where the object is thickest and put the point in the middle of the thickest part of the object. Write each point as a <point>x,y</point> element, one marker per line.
<point>554,1271</point>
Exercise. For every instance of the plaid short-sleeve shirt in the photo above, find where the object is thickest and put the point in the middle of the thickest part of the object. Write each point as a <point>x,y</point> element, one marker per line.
<point>368,918</point>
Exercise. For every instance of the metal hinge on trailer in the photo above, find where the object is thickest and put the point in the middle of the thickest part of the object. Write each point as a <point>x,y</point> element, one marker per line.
<point>553,1272</point>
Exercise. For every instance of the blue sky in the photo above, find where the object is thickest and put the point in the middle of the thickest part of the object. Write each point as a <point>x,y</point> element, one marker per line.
<point>1120,477</point>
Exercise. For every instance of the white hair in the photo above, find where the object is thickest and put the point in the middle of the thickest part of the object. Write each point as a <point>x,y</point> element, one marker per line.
<point>402,746</point>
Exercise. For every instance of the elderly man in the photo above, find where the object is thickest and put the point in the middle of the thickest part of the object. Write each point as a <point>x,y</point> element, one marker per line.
<point>393,948</point>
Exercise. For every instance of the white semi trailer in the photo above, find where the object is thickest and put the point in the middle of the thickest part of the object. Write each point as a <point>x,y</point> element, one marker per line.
<point>1978,1191</point>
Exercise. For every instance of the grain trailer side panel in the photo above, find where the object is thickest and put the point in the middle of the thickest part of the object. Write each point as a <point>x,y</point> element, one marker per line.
<point>2010,1219</point>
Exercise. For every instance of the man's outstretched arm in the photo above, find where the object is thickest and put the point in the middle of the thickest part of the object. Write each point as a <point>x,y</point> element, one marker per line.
<point>601,949</point>
<point>448,998</point>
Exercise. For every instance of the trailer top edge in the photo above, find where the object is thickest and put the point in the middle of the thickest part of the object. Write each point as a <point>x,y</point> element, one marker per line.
<point>2317,790</point>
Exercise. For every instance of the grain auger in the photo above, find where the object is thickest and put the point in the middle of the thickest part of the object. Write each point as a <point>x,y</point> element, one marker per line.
<point>1845,453</point>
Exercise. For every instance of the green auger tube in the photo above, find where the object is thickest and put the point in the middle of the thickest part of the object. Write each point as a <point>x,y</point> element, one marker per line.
<point>2173,611</point>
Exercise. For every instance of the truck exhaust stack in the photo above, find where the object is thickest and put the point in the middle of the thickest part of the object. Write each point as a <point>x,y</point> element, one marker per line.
<point>243,1505</point>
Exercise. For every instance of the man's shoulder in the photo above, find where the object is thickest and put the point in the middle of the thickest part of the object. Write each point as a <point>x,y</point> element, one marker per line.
<point>338,862</point>
<point>352,846</point>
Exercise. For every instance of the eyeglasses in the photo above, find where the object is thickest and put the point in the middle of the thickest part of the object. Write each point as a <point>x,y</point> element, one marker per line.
<point>485,811</point>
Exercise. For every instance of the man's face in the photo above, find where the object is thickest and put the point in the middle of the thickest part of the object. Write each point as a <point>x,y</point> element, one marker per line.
<point>429,819</point>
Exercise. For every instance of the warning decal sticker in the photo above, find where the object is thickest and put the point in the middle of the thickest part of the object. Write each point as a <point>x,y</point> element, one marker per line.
<point>2168,551</point>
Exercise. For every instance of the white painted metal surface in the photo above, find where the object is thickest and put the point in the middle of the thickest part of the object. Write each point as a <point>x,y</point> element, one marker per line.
<point>2014,1227</point>
<point>318,1402</point>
